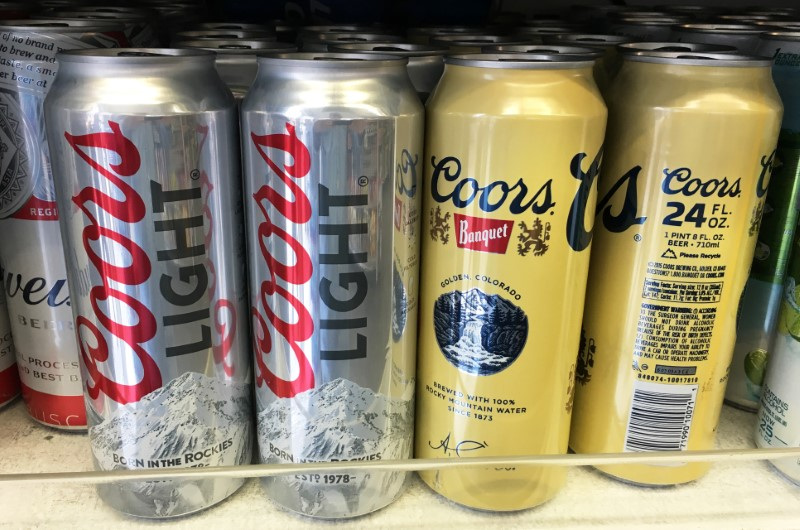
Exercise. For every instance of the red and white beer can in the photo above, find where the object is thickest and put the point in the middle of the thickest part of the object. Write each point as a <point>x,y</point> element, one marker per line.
<point>146,148</point>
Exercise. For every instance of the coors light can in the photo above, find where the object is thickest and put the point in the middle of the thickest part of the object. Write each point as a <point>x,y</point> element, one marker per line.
<point>31,256</point>
<point>332,212</point>
<point>508,208</point>
<point>144,144</point>
<point>676,228</point>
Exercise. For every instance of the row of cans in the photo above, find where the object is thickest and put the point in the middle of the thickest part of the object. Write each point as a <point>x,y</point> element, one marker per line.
<point>332,207</point>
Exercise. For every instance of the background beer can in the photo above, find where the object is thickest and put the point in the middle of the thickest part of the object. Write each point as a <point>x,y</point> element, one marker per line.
<point>236,59</point>
<point>9,378</point>
<point>761,302</point>
<point>144,142</point>
<point>508,202</point>
<point>745,37</point>
<point>32,261</point>
<point>778,419</point>
<point>332,215</point>
<point>676,227</point>
<point>425,61</point>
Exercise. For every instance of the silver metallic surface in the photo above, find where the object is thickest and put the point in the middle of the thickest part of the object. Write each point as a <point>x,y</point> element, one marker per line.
<point>32,261</point>
<point>332,153</point>
<point>236,59</point>
<point>668,46</point>
<point>474,43</point>
<point>139,28</point>
<point>320,42</point>
<point>699,59</point>
<point>588,40</point>
<point>554,49</point>
<point>145,145</point>
<point>647,29</point>
<point>182,36</point>
<point>520,61</point>
<point>743,36</point>
<point>425,61</point>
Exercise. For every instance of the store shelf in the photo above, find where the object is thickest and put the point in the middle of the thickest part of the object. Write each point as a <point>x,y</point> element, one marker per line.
<point>741,494</point>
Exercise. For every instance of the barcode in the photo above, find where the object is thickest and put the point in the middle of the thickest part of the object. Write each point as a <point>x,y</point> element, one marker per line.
<point>661,416</point>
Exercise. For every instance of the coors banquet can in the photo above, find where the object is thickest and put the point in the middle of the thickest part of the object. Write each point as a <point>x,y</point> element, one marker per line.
<point>144,144</point>
<point>34,275</point>
<point>508,203</point>
<point>332,147</point>
<point>677,220</point>
<point>758,315</point>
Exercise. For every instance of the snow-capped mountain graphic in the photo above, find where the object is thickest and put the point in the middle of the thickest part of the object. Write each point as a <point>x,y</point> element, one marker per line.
<point>399,305</point>
<point>479,333</point>
<point>339,420</point>
<point>192,414</point>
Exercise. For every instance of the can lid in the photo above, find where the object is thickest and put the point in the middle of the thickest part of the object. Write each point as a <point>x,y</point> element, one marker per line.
<point>698,58</point>
<point>135,56</point>
<point>476,39</point>
<point>238,46</point>
<point>648,21</point>
<point>588,40</point>
<point>60,25</point>
<point>401,49</point>
<point>631,47</point>
<point>787,35</point>
<point>745,29</point>
<point>521,61</point>
<point>350,37</point>
<point>329,60</point>
<point>222,34</point>
<point>225,26</point>
<point>443,30</point>
<point>101,15</point>
<point>544,49</point>
<point>538,31</point>
<point>338,28</point>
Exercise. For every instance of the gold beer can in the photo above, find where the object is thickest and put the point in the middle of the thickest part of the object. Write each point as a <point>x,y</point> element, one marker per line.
<point>688,158</point>
<point>513,147</point>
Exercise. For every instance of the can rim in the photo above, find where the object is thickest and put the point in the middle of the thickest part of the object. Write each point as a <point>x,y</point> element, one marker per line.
<point>61,25</point>
<point>331,60</point>
<point>399,49</point>
<point>475,39</point>
<point>663,46</point>
<point>591,40</point>
<point>699,59</point>
<point>520,61</point>
<point>781,35</point>
<point>543,49</point>
<point>742,29</point>
<point>237,46</point>
<point>134,56</point>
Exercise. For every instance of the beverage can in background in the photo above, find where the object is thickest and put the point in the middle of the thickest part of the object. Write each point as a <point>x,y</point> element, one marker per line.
<point>9,377</point>
<point>676,227</point>
<point>761,302</point>
<point>34,275</point>
<point>645,28</point>
<point>332,148</point>
<point>144,146</point>
<point>744,37</point>
<point>425,61</point>
<point>778,418</point>
<point>508,203</point>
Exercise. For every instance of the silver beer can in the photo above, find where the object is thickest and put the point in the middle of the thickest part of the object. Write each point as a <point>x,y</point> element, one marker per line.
<point>332,149</point>
<point>236,59</point>
<point>144,142</point>
<point>9,378</point>
<point>32,260</point>
<point>425,61</point>
<point>139,25</point>
<point>744,37</point>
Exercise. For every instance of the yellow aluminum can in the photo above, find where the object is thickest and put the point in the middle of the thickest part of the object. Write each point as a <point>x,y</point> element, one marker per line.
<point>513,147</point>
<point>689,154</point>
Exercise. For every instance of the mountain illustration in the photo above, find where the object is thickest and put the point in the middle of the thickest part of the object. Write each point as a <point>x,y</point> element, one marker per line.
<point>399,305</point>
<point>338,420</point>
<point>190,414</point>
<point>479,333</point>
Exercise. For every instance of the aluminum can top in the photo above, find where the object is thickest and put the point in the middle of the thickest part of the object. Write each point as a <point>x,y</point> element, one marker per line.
<point>60,25</point>
<point>445,30</point>
<point>222,34</point>
<point>739,29</point>
<point>129,62</point>
<point>241,26</point>
<point>746,18</point>
<point>649,21</point>
<point>546,49</point>
<point>238,46</point>
<point>789,36</point>
<point>521,61</point>
<point>101,15</point>
<point>699,59</point>
<point>350,37</point>
<point>330,61</point>
<point>402,49</point>
<point>342,28</point>
<point>774,10</point>
<point>631,47</point>
<point>588,40</point>
<point>688,9</point>
<point>546,29</point>
<point>454,41</point>
<point>641,13</point>
<point>118,10</point>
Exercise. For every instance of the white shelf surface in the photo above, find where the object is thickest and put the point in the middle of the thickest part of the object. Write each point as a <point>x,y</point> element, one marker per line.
<point>731,495</point>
